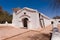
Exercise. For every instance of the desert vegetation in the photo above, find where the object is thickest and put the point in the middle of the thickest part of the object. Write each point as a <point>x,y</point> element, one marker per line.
<point>5,16</point>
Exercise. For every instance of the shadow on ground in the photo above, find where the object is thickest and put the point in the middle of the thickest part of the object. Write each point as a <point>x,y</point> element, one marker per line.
<point>40,37</point>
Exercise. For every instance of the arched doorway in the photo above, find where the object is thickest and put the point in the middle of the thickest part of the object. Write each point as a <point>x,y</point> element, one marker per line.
<point>25,22</point>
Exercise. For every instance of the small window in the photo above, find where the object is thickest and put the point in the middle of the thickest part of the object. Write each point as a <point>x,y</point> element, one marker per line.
<point>59,21</point>
<point>24,12</point>
<point>52,22</point>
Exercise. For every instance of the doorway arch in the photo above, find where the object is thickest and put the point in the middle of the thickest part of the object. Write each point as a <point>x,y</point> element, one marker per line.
<point>25,22</point>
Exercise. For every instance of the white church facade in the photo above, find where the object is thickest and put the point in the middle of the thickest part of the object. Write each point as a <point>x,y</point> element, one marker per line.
<point>29,18</point>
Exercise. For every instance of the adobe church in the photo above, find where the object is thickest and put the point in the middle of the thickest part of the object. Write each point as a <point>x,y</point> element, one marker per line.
<point>29,18</point>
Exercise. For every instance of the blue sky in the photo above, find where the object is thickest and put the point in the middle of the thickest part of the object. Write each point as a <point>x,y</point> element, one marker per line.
<point>44,6</point>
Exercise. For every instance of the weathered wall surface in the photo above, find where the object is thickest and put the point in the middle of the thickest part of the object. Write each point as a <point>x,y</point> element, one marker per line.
<point>33,19</point>
<point>47,22</point>
<point>31,15</point>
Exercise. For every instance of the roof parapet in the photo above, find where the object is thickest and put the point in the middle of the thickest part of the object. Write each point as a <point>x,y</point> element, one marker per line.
<point>16,9</point>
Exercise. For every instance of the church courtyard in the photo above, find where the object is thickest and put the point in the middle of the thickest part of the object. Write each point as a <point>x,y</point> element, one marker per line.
<point>11,33</point>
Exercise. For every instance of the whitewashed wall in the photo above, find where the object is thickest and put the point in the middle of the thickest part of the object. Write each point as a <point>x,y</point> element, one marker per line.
<point>46,19</point>
<point>58,21</point>
<point>33,23</point>
<point>47,22</point>
<point>33,20</point>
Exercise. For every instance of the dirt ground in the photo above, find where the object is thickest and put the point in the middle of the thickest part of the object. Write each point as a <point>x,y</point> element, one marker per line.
<point>11,33</point>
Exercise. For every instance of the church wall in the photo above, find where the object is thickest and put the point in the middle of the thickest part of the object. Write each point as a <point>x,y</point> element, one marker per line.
<point>33,19</point>
<point>21,16</point>
<point>56,22</point>
<point>47,22</point>
<point>15,20</point>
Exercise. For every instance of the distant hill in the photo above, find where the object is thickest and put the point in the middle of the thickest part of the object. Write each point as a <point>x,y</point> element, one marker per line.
<point>56,17</point>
